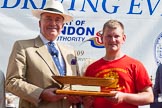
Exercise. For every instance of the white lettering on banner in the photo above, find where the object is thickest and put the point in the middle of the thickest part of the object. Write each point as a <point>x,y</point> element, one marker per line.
<point>133,8</point>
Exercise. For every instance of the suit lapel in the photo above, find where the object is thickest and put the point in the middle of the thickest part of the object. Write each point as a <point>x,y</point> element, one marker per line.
<point>67,58</point>
<point>44,54</point>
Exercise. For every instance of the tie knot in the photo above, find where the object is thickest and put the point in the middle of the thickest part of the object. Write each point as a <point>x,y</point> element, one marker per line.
<point>51,43</point>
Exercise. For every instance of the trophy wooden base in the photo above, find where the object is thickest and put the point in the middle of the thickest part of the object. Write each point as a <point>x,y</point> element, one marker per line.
<point>84,93</point>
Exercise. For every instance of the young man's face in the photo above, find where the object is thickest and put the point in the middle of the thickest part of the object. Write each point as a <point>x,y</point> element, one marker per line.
<point>51,25</point>
<point>113,38</point>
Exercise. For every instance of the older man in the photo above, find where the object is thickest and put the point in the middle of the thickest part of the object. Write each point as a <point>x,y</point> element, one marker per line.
<point>33,62</point>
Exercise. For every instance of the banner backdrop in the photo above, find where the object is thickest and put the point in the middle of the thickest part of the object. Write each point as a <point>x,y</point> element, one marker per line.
<point>142,20</point>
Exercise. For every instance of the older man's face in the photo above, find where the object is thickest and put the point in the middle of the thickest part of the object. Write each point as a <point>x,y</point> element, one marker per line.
<point>51,25</point>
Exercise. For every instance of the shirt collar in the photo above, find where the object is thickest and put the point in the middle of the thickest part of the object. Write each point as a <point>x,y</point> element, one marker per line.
<point>45,41</point>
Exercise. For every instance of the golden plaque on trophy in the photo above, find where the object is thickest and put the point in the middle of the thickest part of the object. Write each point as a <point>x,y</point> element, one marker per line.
<point>86,86</point>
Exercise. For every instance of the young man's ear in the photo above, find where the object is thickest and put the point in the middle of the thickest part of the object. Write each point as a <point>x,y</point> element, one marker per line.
<point>124,38</point>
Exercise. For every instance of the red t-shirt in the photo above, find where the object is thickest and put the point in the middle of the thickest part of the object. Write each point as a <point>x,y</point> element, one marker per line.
<point>131,74</point>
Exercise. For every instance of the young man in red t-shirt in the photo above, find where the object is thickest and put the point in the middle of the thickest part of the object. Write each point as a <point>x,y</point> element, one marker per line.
<point>134,85</point>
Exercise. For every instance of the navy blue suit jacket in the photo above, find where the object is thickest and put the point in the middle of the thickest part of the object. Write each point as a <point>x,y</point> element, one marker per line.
<point>158,83</point>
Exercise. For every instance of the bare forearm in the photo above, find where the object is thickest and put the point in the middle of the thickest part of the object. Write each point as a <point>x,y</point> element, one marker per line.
<point>139,99</point>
